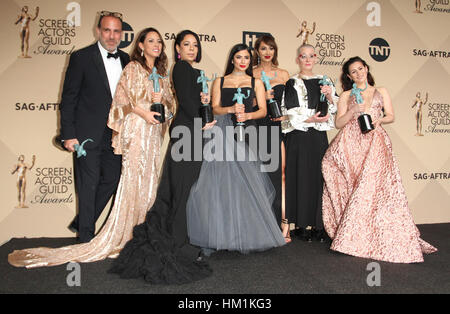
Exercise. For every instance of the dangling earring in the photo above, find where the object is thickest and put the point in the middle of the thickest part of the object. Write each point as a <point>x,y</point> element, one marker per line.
<point>142,53</point>
<point>179,57</point>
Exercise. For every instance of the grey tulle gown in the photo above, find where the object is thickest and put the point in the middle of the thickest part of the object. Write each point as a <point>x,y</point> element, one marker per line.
<point>230,206</point>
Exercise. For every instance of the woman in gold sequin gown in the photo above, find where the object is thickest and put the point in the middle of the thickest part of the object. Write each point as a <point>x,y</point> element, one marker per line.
<point>137,136</point>
<point>365,210</point>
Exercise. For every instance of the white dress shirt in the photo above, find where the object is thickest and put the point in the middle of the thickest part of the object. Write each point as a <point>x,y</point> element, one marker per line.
<point>113,68</point>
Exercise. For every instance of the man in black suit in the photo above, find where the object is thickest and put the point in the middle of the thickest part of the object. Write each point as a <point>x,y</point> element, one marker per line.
<point>89,85</point>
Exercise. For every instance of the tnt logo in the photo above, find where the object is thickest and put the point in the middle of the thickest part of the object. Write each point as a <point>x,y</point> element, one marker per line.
<point>379,49</point>
<point>249,38</point>
<point>127,35</point>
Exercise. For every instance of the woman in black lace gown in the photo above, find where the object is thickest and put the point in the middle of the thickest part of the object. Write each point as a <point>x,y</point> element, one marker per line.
<point>159,250</point>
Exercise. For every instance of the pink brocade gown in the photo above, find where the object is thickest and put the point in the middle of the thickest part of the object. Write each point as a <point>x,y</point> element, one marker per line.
<point>365,210</point>
<point>139,144</point>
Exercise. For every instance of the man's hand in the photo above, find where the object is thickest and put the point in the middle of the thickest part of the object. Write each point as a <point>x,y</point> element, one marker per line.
<point>68,144</point>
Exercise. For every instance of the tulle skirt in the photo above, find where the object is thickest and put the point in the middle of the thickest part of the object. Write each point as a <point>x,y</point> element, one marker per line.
<point>230,206</point>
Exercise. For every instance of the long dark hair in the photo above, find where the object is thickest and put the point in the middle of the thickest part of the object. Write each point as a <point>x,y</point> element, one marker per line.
<point>270,41</point>
<point>230,66</point>
<point>161,62</point>
<point>346,82</point>
<point>179,39</point>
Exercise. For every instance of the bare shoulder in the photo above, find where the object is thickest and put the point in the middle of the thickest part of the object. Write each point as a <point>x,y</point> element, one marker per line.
<point>284,74</point>
<point>257,72</point>
<point>259,83</point>
<point>382,90</point>
<point>216,82</point>
<point>345,94</point>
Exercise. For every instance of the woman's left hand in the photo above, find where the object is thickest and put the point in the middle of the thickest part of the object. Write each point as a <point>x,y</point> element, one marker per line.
<point>205,98</point>
<point>242,117</point>
<point>326,90</point>
<point>282,118</point>
<point>156,97</point>
<point>376,123</point>
<point>209,125</point>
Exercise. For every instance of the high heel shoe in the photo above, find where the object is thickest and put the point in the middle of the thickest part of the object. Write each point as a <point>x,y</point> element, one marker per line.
<point>319,235</point>
<point>286,230</point>
<point>304,234</point>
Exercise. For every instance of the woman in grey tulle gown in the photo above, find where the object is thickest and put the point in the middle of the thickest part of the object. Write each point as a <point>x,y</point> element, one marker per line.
<point>230,206</point>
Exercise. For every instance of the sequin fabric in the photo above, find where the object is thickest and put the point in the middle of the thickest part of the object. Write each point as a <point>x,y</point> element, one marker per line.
<point>139,143</point>
<point>365,209</point>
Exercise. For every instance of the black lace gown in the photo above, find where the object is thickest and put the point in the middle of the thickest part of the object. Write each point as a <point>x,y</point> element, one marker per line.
<point>160,251</point>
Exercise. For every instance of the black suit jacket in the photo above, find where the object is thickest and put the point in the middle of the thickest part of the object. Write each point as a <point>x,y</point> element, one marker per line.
<point>86,97</point>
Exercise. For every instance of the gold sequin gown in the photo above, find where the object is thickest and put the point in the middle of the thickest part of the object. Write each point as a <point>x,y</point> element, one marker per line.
<point>365,210</point>
<point>139,144</point>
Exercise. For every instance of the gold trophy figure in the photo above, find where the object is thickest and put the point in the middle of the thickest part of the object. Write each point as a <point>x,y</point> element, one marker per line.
<point>25,18</point>
<point>21,169</point>
<point>419,103</point>
<point>418,5</point>
<point>305,32</point>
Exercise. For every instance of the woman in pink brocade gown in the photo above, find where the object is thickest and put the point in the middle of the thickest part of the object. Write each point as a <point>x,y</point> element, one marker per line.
<point>365,210</point>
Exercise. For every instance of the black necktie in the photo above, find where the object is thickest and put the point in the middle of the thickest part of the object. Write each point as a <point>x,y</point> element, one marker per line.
<point>113,55</point>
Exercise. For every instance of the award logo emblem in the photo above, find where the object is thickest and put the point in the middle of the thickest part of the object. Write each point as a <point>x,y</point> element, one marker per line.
<point>249,37</point>
<point>127,35</point>
<point>21,168</point>
<point>24,18</point>
<point>379,49</point>
<point>206,109</point>
<point>419,104</point>
<point>305,32</point>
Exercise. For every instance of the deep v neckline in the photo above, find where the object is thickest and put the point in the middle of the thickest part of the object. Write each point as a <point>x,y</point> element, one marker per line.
<point>370,103</point>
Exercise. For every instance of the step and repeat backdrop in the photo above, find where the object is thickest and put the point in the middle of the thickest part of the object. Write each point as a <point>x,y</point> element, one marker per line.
<point>406,43</point>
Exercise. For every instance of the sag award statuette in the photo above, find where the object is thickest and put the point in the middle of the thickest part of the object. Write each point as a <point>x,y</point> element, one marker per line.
<point>80,149</point>
<point>157,107</point>
<point>239,97</point>
<point>322,106</point>
<point>206,109</point>
<point>273,107</point>
<point>364,119</point>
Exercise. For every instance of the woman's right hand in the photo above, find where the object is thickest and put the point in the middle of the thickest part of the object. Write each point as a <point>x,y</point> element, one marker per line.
<point>149,117</point>
<point>157,97</point>
<point>316,119</point>
<point>237,108</point>
<point>269,94</point>
<point>356,108</point>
